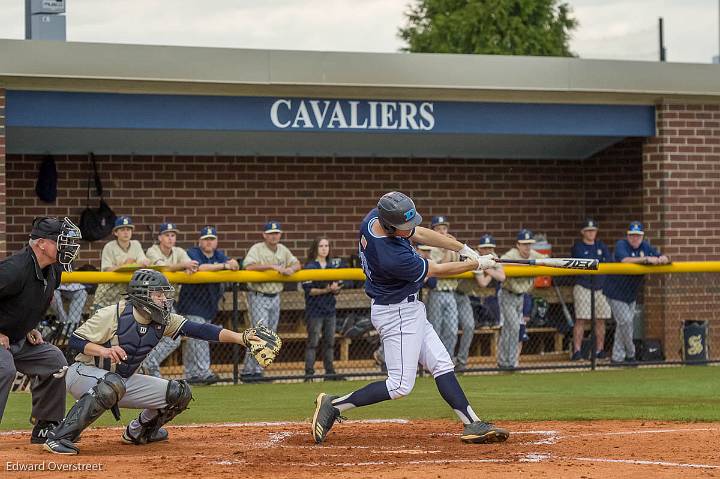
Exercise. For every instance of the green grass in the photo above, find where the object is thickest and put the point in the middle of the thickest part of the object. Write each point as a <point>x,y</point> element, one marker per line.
<point>680,393</point>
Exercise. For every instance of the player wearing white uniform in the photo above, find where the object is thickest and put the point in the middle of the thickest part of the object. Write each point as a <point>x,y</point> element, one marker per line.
<point>395,273</point>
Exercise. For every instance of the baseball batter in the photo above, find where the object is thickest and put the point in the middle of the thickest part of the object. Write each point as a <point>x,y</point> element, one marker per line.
<point>115,341</point>
<point>395,273</point>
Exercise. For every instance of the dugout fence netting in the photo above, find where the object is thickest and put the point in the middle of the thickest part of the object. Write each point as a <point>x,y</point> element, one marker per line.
<point>630,315</point>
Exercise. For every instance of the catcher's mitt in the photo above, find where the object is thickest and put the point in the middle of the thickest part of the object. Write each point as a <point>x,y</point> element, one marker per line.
<point>263,344</point>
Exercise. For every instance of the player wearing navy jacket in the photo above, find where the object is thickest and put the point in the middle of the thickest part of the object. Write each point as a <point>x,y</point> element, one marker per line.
<point>589,247</point>
<point>621,291</point>
<point>395,273</point>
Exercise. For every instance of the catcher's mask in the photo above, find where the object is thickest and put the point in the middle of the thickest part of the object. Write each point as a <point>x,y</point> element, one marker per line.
<point>396,211</point>
<point>151,292</point>
<point>65,234</point>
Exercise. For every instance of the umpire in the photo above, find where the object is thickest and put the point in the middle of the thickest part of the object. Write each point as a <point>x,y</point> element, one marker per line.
<point>28,280</point>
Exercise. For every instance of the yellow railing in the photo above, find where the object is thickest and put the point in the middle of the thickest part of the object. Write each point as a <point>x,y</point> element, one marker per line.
<point>356,274</point>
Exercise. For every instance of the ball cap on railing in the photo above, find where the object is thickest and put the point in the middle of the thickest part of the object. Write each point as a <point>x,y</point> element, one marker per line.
<point>636,228</point>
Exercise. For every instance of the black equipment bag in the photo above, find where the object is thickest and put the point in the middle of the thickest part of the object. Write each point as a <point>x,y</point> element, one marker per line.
<point>96,223</point>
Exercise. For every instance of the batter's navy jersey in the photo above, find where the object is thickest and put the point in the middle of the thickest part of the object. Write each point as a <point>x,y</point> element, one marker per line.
<point>393,268</point>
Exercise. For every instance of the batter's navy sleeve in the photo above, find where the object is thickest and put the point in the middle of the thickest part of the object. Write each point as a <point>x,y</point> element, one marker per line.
<point>411,268</point>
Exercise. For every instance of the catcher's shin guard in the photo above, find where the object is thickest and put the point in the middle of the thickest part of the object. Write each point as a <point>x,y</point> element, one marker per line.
<point>178,396</point>
<point>103,396</point>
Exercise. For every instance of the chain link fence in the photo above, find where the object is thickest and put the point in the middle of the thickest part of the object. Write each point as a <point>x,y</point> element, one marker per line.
<point>562,322</point>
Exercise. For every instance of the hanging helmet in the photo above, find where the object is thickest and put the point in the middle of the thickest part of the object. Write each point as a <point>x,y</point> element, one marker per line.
<point>142,292</point>
<point>65,234</point>
<point>396,211</point>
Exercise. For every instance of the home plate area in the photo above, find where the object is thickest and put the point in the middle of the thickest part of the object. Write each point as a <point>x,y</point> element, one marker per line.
<point>400,449</point>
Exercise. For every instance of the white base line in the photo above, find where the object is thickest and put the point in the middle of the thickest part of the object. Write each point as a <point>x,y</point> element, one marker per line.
<point>230,424</point>
<point>641,462</point>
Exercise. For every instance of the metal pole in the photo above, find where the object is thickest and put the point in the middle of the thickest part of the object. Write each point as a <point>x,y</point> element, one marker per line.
<point>662,40</point>
<point>236,347</point>
<point>593,321</point>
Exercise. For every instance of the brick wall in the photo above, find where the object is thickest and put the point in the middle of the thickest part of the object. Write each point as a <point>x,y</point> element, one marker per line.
<point>325,196</point>
<point>681,200</point>
<point>3,242</point>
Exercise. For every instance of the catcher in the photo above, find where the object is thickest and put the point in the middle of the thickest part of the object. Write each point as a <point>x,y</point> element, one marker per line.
<point>114,342</point>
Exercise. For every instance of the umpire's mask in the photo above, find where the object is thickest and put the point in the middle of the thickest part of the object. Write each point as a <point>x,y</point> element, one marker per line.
<point>65,234</point>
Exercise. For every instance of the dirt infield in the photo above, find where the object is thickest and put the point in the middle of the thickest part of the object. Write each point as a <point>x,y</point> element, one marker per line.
<point>395,449</point>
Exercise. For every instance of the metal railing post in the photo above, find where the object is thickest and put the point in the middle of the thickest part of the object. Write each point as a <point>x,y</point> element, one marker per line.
<point>236,347</point>
<point>593,320</point>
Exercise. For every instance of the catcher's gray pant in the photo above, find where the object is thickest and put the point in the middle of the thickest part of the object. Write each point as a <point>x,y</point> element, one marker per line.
<point>196,354</point>
<point>467,324</point>
<point>624,313</point>
<point>443,315</point>
<point>141,391</point>
<point>39,362</point>
<point>263,310</point>
<point>511,313</point>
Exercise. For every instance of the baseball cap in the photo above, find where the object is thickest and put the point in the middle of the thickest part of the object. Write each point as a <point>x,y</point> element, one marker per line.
<point>272,227</point>
<point>525,236</point>
<point>168,227</point>
<point>47,227</point>
<point>439,220</point>
<point>589,224</point>
<point>123,222</point>
<point>487,241</point>
<point>208,232</point>
<point>636,228</point>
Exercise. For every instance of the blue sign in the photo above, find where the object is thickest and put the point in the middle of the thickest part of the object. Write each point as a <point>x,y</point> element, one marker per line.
<point>222,113</point>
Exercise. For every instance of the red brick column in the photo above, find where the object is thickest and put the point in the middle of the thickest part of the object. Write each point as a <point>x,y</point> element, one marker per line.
<point>681,209</point>
<point>3,241</point>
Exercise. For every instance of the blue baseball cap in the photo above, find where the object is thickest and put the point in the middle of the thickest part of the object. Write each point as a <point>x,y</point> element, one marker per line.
<point>208,232</point>
<point>123,222</point>
<point>168,228</point>
<point>487,241</point>
<point>525,236</point>
<point>636,228</point>
<point>589,224</point>
<point>439,220</point>
<point>272,227</point>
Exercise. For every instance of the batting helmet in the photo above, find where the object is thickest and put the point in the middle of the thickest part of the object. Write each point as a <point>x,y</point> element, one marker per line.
<point>396,211</point>
<point>140,289</point>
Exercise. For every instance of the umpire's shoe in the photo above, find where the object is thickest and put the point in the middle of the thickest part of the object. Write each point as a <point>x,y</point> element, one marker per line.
<point>325,416</point>
<point>61,446</point>
<point>159,435</point>
<point>480,432</point>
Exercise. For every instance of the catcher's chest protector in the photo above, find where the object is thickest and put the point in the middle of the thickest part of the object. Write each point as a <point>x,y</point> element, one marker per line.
<point>137,340</point>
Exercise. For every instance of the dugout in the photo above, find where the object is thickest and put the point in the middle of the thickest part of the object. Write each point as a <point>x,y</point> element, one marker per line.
<point>234,137</point>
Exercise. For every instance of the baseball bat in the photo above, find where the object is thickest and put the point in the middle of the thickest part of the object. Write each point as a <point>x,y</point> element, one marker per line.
<point>565,263</point>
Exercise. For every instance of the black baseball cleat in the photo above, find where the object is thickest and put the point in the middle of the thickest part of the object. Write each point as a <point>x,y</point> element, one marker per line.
<point>480,432</point>
<point>160,435</point>
<point>325,416</point>
<point>64,447</point>
<point>41,431</point>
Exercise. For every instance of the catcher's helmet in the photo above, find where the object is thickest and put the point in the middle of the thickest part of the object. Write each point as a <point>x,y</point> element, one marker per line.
<point>396,211</point>
<point>142,292</point>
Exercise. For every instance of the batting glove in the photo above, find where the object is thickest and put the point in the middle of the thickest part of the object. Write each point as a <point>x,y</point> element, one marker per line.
<point>486,262</point>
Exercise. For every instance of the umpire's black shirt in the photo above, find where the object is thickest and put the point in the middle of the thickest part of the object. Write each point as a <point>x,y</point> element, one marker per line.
<point>25,292</point>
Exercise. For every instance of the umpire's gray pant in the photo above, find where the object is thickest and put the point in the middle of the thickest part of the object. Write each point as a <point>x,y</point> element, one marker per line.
<point>511,309</point>
<point>141,391</point>
<point>196,354</point>
<point>467,324</point>
<point>40,362</point>
<point>624,314</point>
<point>442,313</point>
<point>263,310</point>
